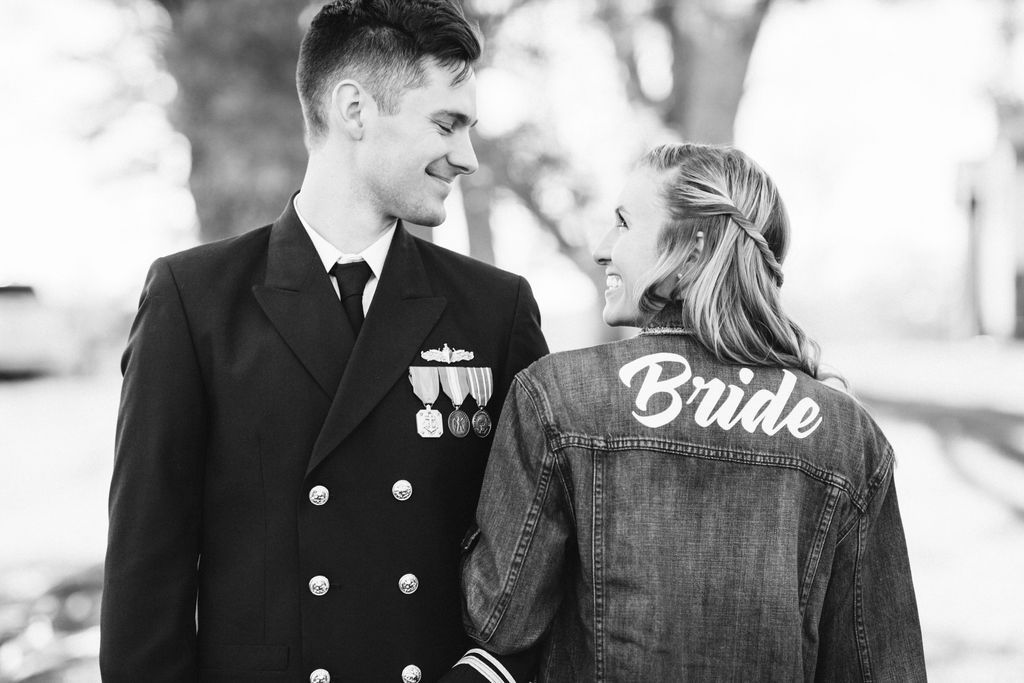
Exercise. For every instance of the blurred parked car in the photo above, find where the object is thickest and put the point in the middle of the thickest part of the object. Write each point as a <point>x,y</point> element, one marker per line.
<point>34,338</point>
<point>58,640</point>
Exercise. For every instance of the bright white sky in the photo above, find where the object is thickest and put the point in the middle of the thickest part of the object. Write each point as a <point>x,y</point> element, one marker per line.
<point>84,217</point>
<point>863,111</point>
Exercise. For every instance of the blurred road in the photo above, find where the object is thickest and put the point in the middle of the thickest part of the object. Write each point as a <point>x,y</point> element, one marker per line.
<point>954,413</point>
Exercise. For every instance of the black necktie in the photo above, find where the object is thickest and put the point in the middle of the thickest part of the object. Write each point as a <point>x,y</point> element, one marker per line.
<point>352,279</point>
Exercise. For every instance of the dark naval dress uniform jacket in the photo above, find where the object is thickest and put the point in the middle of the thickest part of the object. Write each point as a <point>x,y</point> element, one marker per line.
<point>264,456</point>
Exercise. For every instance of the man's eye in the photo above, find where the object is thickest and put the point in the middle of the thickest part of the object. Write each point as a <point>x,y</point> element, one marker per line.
<point>447,130</point>
<point>620,222</point>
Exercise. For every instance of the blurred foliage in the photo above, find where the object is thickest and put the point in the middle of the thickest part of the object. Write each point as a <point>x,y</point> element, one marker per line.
<point>709,42</point>
<point>234,61</point>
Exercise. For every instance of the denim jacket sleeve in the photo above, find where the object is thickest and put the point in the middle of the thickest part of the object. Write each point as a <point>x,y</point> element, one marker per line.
<point>512,574</point>
<point>869,629</point>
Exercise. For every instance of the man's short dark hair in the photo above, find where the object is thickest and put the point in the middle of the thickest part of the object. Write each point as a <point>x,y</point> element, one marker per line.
<point>383,45</point>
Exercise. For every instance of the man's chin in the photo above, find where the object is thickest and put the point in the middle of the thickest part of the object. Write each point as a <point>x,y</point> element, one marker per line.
<point>427,220</point>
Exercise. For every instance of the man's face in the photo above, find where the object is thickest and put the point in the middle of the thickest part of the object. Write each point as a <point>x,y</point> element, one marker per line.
<point>410,159</point>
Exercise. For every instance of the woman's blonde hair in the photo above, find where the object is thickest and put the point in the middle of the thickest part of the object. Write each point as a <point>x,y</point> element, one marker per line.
<point>728,287</point>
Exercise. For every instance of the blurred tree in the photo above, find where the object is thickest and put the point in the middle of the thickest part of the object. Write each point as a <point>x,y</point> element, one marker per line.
<point>709,44</point>
<point>234,61</point>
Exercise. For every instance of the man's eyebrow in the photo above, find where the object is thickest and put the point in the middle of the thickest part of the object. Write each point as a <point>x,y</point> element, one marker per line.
<point>457,117</point>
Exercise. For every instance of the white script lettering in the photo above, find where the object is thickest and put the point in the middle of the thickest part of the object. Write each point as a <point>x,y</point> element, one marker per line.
<point>651,386</point>
<point>762,410</point>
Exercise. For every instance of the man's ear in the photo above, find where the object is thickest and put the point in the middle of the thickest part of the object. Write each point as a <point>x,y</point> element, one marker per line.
<point>350,107</point>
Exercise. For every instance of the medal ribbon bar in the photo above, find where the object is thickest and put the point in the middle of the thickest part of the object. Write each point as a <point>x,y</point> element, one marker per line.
<point>426,386</point>
<point>453,381</point>
<point>481,385</point>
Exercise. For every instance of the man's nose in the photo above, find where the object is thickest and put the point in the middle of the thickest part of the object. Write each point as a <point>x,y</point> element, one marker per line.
<point>462,157</point>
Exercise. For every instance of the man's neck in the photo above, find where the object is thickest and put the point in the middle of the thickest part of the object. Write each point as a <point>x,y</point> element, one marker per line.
<point>330,203</point>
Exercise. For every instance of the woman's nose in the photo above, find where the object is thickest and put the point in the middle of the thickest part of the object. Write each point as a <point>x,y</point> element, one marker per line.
<point>603,251</point>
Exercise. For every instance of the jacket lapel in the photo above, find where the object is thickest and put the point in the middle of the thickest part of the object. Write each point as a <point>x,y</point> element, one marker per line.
<point>403,312</point>
<point>299,300</point>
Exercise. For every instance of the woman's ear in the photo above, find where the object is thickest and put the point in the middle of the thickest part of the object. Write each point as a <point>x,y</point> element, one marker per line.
<point>698,246</point>
<point>669,287</point>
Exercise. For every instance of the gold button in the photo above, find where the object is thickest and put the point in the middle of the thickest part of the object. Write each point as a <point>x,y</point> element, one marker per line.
<point>320,676</point>
<point>411,674</point>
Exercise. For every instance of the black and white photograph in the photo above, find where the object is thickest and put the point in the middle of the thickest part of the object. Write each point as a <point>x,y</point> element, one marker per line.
<point>511,341</point>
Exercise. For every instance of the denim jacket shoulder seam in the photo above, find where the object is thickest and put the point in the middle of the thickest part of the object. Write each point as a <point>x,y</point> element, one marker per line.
<point>881,474</point>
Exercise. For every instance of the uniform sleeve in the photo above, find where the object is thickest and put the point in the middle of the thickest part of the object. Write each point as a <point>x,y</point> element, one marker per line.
<point>512,574</point>
<point>870,630</point>
<point>148,629</point>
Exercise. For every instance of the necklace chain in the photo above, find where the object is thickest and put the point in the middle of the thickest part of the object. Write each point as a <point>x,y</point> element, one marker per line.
<point>664,330</point>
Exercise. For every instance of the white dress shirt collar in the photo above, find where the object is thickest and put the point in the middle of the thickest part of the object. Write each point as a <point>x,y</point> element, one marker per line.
<point>374,255</point>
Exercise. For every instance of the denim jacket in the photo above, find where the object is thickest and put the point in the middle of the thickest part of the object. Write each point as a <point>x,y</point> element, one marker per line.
<point>652,514</point>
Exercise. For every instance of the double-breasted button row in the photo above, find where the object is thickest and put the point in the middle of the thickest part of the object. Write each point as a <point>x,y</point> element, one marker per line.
<point>410,674</point>
<point>401,490</point>
<point>319,585</point>
<point>408,583</point>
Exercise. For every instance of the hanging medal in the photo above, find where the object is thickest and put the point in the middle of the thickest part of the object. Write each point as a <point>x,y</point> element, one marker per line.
<point>429,422</point>
<point>481,385</point>
<point>453,381</point>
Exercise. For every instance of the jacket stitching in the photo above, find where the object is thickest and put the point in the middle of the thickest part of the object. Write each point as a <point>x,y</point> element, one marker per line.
<point>526,535</point>
<point>763,459</point>
<point>881,472</point>
<point>598,577</point>
<point>881,475</point>
<point>522,551</point>
<point>863,650</point>
<point>814,556</point>
<point>566,489</point>
<point>543,410</point>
